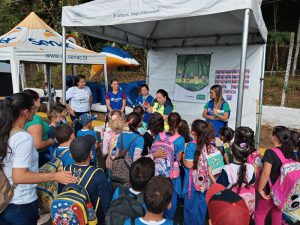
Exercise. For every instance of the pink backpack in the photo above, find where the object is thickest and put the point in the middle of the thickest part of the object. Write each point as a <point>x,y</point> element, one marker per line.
<point>169,166</point>
<point>255,159</point>
<point>112,141</point>
<point>200,176</point>
<point>286,190</point>
<point>248,194</point>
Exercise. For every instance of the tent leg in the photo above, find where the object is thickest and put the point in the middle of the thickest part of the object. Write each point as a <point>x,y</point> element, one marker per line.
<point>64,66</point>
<point>147,70</point>
<point>261,89</point>
<point>242,70</point>
<point>48,73</point>
<point>22,74</point>
<point>105,76</point>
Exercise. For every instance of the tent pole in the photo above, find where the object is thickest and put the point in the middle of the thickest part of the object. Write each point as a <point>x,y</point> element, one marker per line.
<point>242,69</point>
<point>105,76</point>
<point>261,89</point>
<point>64,65</point>
<point>48,73</point>
<point>147,70</point>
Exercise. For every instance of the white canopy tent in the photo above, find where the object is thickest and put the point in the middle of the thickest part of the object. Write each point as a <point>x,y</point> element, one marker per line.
<point>32,40</point>
<point>166,28</point>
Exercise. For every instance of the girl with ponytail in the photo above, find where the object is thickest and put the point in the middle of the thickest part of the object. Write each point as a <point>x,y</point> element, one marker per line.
<point>198,176</point>
<point>19,160</point>
<point>281,140</point>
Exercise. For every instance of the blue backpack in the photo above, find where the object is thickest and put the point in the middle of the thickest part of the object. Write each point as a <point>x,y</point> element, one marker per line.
<point>73,206</point>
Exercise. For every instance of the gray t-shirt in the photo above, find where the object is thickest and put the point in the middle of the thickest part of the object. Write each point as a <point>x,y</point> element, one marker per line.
<point>21,155</point>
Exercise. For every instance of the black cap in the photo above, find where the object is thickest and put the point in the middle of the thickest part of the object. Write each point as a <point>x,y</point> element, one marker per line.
<point>83,143</point>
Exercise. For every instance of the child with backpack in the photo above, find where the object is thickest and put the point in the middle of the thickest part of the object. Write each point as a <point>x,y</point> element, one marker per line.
<point>198,177</point>
<point>272,160</point>
<point>239,175</point>
<point>129,148</point>
<point>85,120</point>
<point>64,135</point>
<point>92,187</point>
<point>129,202</point>
<point>226,135</point>
<point>172,145</point>
<point>157,196</point>
<point>110,138</point>
<point>143,127</point>
<point>54,117</point>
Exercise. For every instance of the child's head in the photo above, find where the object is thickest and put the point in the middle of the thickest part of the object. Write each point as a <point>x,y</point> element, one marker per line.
<point>158,194</point>
<point>140,110</point>
<point>226,134</point>
<point>200,131</point>
<point>62,109</point>
<point>85,120</point>
<point>54,116</point>
<point>295,139</point>
<point>240,152</point>
<point>81,148</point>
<point>281,137</point>
<point>174,120</point>
<point>134,121</point>
<point>64,133</point>
<point>141,171</point>
<point>116,121</point>
<point>245,135</point>
<point>226,207</point>
<point>156,123</point>
<point>144,90</point>
<point>184,130</point>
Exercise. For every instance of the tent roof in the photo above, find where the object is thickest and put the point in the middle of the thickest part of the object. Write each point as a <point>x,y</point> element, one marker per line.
<point>172,23</point>
<point>33,40</point>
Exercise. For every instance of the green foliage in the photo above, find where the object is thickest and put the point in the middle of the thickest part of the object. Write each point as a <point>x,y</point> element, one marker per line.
<point>281,38</point>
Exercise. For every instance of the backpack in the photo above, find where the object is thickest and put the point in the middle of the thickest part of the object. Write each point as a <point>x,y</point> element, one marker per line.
<point>6,190</point>
<point>47,191</point>
<point>121,165</point>
<point>255,159</point>
<point>286,190</point>
<point>248,194</point>
<point>73,205</point>
<point>200,176</point>
<point>127,205</point>
<point>169,166</point>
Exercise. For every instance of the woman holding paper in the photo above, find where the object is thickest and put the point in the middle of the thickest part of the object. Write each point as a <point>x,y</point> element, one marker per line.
<point>217,110</point>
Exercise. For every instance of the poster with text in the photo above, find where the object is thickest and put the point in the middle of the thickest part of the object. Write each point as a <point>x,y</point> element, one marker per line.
<point>192,78</point>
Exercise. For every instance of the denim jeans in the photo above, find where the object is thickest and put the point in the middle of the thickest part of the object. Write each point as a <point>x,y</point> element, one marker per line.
<point>24,214</point>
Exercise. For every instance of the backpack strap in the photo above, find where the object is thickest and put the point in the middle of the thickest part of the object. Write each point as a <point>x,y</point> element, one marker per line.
<point>232,174</point>
<point>87,176</point>
<point>133,140</point>
<point>174,137</point>
<point>61,154</point>
<point>280,155</point>
<point>162,135</point>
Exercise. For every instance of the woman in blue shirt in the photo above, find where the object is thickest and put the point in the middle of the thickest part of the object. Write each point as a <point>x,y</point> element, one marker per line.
<point>217,110</point>
<point>115,99</point>
<point>145,100</point>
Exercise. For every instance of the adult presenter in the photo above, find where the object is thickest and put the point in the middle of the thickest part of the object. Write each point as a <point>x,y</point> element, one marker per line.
<point>115,99</point>
<point>162,105</point>
<point>217,110</point>
<point>80,100</point>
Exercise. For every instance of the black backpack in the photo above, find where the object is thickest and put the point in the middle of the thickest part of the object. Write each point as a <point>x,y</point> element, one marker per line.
<point>128,205</point>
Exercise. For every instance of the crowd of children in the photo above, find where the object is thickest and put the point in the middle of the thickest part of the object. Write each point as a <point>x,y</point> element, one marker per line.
<point>150,173</point>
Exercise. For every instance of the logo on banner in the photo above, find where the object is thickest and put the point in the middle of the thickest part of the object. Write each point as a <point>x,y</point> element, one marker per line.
<point>10,39</point>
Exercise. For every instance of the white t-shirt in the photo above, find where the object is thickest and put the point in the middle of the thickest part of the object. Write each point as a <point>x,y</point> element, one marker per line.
<point>236,169</point>
<point>22,155</point>
<point>79,98</point>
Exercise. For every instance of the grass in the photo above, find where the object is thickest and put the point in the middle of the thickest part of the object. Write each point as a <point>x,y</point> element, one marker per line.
<point>273,87</point>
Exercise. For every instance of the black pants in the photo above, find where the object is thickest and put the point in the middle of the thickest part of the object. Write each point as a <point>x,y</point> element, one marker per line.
<point>77,125</point>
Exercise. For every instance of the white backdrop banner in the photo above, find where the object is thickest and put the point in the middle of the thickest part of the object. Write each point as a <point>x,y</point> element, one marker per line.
<point>223,69</point>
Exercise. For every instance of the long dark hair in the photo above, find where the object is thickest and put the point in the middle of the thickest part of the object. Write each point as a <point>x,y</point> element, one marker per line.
<point>240,152</point>
<point>295,139</point>
<point>201,129</point>
<point>10,111</point>
<point>174,120</point>
<point>283,134</point>
<point>245,135</point>
<point>156,123</point>
<point>184,130</point>
<point>134,119</point>
<point>164,94</point>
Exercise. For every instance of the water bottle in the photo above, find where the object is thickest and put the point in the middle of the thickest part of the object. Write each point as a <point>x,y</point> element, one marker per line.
<point>91,212</point>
